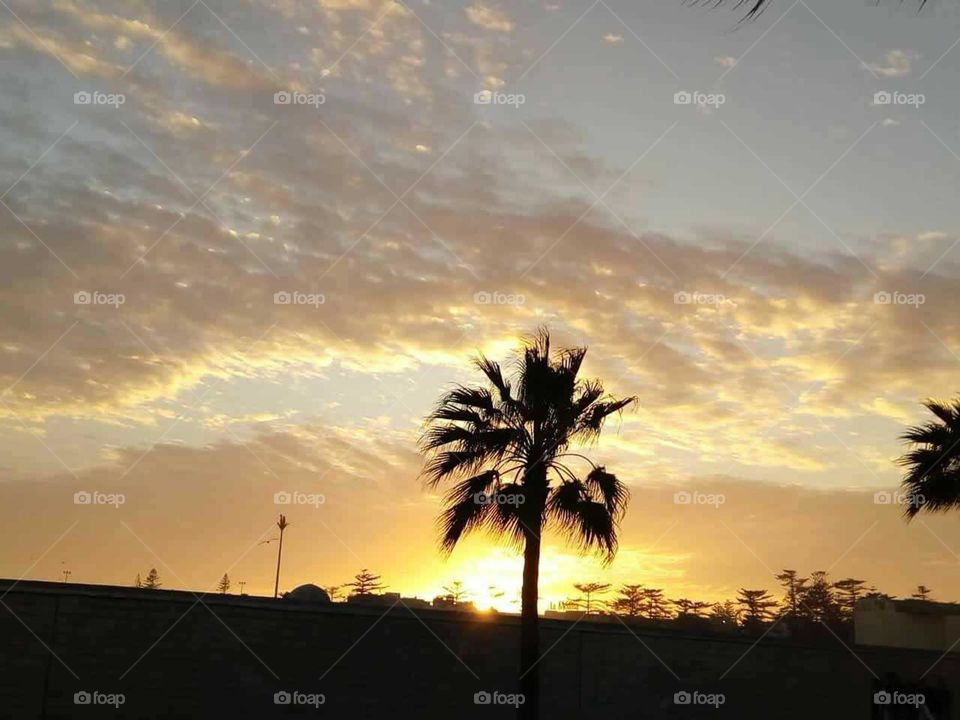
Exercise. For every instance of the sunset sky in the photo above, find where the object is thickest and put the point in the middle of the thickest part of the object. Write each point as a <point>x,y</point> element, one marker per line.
<point>593,204</point>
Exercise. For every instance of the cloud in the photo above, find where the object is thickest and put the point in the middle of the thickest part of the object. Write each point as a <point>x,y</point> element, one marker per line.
<point>799,376</point>
<point>200,308</point>
<point>489,18</point>
<point>895,64</point>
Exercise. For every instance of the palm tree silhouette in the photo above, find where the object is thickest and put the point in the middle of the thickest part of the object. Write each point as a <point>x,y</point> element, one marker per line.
<point>932,478</point>
<point>504,450</point>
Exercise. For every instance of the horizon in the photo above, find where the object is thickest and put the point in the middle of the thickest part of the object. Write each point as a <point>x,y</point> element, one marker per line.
<point>247,248</point>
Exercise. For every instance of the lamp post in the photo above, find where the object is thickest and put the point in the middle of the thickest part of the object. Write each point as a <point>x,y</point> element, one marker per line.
<point>282,524</point>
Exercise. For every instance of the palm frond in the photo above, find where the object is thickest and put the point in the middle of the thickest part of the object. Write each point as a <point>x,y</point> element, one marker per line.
<point>438,436</point>
<point>613,493</point>
<point>571,359</point>
<point>462,512</point>
<point>457,413</point>
<point>465,404</point>
<point>509,518</point>
<point>755,7</point>
<point>947,412</point>
<point>932,463</point>
<point>564,381</point>
<point>472,397</point>
<point>598,530</point>
<point>451,464</point>
<point>928,434</point>
<point>932,481</point>
<point>590,392</point>
<point>535,374</point>
<point>573,510</point>
<point>591,421</point>
<point>493,443</point>
<point>494,375</point>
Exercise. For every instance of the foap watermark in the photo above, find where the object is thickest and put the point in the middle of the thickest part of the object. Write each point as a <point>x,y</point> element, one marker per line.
<point>698,298</point>
<point>499,498</point>
<point>498,298</point>
<point>95,697</point>
<point>494,97</point>
<point>283,97</point>
<point>884,697</point>
<point>284,297</point>
<point>295,697</point>
<point>899,298</point>
<point>893,497</point>
<point>700,99</point>
<point>696,697</point>
<point>298,498</point>
<point>498,698</point>
<point>85,497</point>
<point>85,97</point>
<point>85,297</point>
<point>884,97</point>
<point>685,497</point>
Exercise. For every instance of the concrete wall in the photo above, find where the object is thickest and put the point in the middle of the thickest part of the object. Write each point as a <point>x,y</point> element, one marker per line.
<point>880,623</point>
<point>174,657</point>
<point>908,623</point>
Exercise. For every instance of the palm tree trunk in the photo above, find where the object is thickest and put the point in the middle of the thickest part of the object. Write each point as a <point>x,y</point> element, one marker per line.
<point>530,629</point>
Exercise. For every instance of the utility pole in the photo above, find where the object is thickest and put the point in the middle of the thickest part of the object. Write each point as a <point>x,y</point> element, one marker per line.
<point>282,524</point>
<point>241,584</point>
<point>66,575</point>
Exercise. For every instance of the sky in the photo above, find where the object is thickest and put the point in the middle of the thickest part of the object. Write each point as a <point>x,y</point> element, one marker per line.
<point>246,245</point>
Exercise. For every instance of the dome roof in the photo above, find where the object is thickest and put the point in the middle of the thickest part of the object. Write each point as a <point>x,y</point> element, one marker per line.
<point>308,594</point>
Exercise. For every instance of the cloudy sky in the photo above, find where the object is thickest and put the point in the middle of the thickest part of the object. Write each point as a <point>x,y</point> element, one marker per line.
<point>770,267</point>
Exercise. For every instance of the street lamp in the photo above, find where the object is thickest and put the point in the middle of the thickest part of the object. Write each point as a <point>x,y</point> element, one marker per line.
<point>282,524</point>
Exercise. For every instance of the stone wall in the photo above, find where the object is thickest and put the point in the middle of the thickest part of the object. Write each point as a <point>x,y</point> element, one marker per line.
<point>172,655</point>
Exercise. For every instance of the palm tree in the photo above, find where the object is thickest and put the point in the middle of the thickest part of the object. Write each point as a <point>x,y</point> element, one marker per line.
<point>932,479</point>
<point>504,453</point>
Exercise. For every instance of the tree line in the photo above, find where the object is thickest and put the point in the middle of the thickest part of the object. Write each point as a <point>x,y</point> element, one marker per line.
<point>805,602</point>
